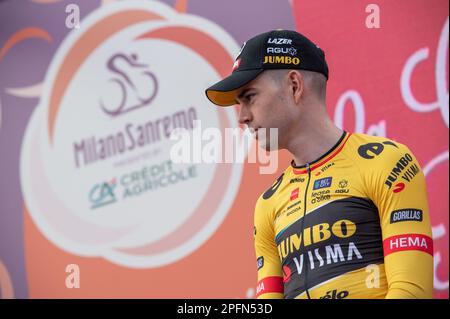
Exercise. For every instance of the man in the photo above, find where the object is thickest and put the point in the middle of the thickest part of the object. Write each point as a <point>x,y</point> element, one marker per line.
<point>349,217</point>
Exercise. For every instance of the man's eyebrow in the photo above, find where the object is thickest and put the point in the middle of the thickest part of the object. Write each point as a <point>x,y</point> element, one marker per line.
<point>245,91</point>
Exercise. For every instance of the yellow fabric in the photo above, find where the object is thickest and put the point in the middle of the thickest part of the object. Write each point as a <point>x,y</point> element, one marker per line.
<point>367,190</point>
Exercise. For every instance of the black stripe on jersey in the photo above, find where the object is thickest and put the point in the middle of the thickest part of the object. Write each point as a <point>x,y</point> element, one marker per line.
<point>337,238</point>
<point>268,193</point>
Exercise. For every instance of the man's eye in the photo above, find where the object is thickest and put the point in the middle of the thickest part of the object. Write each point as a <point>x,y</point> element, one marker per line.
<point>249,97</point>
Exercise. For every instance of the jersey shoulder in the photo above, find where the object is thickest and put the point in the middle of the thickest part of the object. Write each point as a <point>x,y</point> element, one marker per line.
<point>382,161</point>
<point>269,198</point>
<point>375,152</point>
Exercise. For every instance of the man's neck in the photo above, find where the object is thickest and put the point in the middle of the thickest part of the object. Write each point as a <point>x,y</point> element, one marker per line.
<point>313,139</point>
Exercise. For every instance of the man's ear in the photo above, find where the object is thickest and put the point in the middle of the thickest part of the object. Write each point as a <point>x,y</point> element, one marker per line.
<point>297,85</point>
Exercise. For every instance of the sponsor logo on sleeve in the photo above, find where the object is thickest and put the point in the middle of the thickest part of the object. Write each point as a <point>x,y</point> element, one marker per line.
<point>399,187</point>
<point>407,242</point>
<point>272,284</point>
<point>260,262</point>
<point>406,169</point>
<point>406,214</point>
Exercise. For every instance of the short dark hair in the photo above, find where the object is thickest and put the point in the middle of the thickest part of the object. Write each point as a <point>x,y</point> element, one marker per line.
<point>317,82</point>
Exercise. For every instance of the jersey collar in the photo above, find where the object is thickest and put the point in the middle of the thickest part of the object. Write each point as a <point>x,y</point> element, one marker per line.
<point>325,157</point>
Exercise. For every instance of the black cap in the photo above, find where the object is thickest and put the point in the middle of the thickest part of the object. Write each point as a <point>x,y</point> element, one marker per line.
<point>277,49</point>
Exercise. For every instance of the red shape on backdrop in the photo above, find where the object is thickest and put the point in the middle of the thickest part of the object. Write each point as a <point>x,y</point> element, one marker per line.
<point>392,80</point>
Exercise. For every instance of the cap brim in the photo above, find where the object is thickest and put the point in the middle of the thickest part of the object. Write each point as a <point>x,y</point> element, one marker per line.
<point>224,93</point>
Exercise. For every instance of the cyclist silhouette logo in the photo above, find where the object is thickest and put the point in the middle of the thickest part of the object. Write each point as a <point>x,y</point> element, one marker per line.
<point>129,82</point>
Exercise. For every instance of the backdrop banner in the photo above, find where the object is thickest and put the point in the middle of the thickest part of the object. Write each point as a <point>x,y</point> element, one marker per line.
<point>91,204</point>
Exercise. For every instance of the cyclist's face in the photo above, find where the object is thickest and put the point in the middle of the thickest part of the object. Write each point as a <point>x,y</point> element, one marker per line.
<point>264,104</point>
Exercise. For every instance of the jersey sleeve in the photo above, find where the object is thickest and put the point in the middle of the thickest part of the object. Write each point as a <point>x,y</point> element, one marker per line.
<point>396,184</point>
<point>270,276</point>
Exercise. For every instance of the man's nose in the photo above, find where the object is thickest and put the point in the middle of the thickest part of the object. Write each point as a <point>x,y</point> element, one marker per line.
<point>244,115</point>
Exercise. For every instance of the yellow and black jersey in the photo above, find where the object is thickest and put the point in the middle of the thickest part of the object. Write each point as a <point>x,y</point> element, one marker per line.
<point>352,224</point>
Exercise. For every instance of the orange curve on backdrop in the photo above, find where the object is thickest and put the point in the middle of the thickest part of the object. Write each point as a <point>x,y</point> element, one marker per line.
<point>23,35</point>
